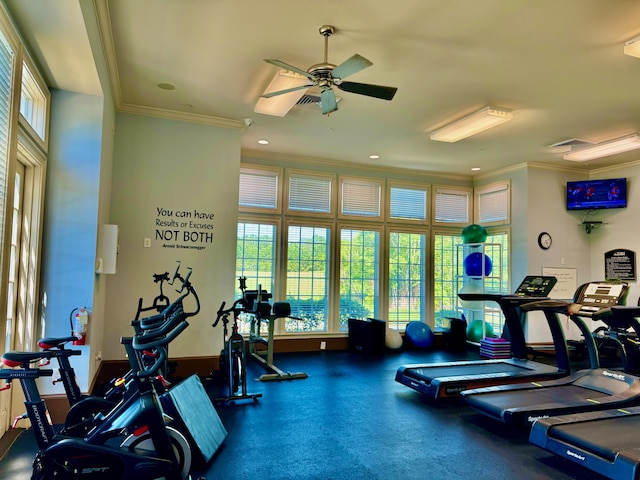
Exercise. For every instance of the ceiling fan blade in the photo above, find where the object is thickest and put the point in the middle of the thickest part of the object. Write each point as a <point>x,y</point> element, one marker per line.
<point>282,92</point>
<point>328,101</point>
<point>291,68</point>
<point>350,66</point>
<point>377,91</point>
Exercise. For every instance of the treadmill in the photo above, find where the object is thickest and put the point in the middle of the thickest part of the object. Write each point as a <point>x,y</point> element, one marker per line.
<point>586,390</point>
<point>447,379</point>
<point>605,441</point>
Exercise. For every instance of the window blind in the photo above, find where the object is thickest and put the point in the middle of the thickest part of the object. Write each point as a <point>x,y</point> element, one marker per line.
<point>259,190</point>
<point>309,194</point>
<point>6,72</point>
<point>360,198</point>
<point>408,203</point>
<point>452,206</point>
<point>493,205</point>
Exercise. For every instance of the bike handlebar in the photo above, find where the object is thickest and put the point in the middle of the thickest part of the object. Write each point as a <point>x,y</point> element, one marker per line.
<point>139,344</point>
<point>234,308</point>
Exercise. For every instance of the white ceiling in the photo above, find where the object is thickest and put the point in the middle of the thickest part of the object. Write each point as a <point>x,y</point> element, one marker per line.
<point>557,63</point>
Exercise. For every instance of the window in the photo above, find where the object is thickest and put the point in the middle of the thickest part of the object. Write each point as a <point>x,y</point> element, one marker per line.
<point>445,285</point>
<point>492,312</point>
<point>359,247</point>
<point>492,204</point>
<point>310,193</point>
<point>259,190</point>
<point>452,205</point>
<point>359,274</point>
<point>34,103</point>
<point>23,147</point>
<point>6,75</point>
<point>255,257</point>
<point>360,198</point>
<point>408,203</point>
<point>407,285</point>
<point>307,286</point>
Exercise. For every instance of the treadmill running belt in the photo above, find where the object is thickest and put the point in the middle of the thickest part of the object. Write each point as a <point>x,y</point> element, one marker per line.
<point>463,370</point>
<point>536,398</point>
<point>604,438</point>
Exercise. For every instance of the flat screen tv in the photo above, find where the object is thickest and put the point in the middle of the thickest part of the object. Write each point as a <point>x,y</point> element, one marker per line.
<point>596,194</point>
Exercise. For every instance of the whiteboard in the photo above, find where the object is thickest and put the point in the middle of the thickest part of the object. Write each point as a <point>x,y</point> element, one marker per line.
<point>566,286</point>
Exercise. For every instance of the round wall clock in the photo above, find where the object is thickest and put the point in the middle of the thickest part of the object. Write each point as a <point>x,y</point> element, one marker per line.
<point>544,241</point>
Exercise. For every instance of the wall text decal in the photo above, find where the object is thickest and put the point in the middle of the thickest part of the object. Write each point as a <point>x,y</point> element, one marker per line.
<point>191,228</point>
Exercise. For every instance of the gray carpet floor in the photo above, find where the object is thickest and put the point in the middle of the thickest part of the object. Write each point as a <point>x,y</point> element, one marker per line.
<point>350,420</point>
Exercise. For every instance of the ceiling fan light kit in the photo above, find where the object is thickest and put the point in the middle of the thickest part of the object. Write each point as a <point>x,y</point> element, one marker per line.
<point>604,149</point>
<point>326,75</point>
<point>477,122</point>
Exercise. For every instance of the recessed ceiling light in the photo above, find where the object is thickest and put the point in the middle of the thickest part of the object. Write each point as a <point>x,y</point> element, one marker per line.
<point>374,157</point>
<point>476,169</point>
<point>263,142</point>
<point>166,86</point>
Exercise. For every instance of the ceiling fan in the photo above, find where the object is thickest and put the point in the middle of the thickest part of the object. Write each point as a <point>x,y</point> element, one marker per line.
<point>326,75</point>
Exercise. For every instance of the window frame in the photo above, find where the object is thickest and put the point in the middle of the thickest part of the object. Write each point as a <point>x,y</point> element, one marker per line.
<point>43,143</point>
<point>454,190</point>
<point>262,170</point>
<point>330,265</point>
<point>290,173</point>
<point>379,306</point>
<point>488,189</point>
<point>349,179</point>
<point>426,268</point>
<point>409,186</point>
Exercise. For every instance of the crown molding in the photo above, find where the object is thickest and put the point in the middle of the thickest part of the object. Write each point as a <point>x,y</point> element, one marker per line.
<point>247,155</point>
<point>182,116</point>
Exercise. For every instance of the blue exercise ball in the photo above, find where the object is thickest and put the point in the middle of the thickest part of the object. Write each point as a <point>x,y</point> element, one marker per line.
<point>473,264</point>
<point>419,334</point>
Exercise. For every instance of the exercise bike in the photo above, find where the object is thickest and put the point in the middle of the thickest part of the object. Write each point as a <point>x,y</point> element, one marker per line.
<point>130,441</point>
<point>233,355</point>
<point>84,408</point>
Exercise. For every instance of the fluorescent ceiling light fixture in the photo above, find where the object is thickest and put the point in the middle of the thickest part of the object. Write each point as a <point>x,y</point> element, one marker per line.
<point>632,47</point>
<point>281,104</point>
<point>604,149</point>
<point>374,156</point>
<point>477,122</point>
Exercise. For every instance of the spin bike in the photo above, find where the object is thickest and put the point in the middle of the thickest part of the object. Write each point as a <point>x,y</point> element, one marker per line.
<point>150,448</point>
<point>232,356</point>
<point>83,408</point>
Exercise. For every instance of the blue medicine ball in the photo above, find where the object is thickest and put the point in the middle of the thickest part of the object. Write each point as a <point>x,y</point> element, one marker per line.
<point>419,334</point>
<point>473,264</point>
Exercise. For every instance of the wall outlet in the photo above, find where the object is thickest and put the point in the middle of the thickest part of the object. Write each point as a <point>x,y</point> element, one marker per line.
<point>99,356</point>
<point>323,345</point>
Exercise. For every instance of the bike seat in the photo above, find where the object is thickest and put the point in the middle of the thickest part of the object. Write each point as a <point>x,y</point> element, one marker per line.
<point>54,342</point>
<point>22,359</point>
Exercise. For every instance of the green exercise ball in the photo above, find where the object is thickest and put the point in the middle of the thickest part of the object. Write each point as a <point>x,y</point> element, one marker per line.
<point>474,233</point>
<point>474,330</point>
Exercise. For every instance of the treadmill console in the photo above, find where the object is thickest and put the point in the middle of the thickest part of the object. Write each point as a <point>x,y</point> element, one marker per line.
<point>596,296</point>
<point>536,286</point>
